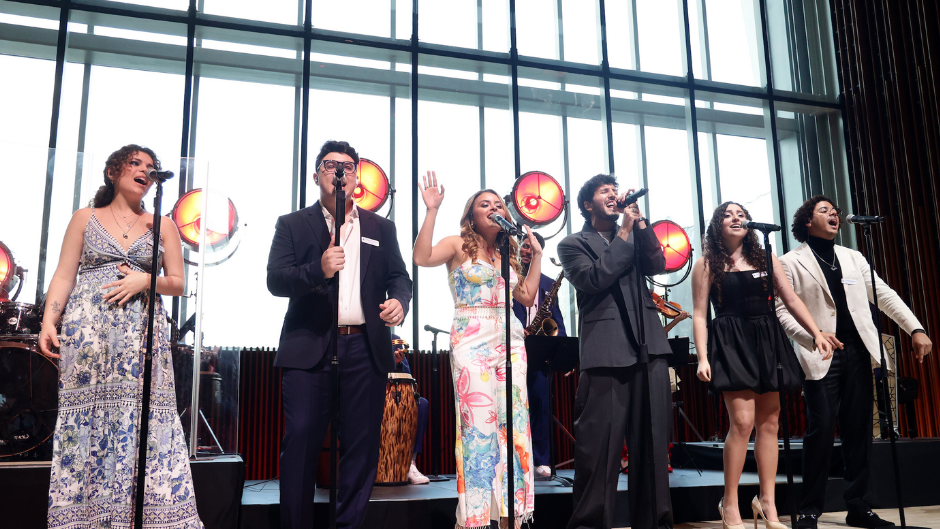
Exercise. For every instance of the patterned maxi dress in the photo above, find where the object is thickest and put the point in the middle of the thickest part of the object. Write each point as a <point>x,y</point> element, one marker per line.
<point>478,345</point>
<point>100,387</point>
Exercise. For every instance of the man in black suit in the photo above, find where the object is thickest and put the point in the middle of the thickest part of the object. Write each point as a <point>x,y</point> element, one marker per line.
<point>536,380</point>
<point>602,263</point>
<point>374,291</point>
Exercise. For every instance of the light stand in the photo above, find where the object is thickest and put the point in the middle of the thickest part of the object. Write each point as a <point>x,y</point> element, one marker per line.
<point>143,430</point>
<point>866,230</point>
<point>784,415</point>
<point>503,242</point>
<point>435,399</point>
<point>339,217</point>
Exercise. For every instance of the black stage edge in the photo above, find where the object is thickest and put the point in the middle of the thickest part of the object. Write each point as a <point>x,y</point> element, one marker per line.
<point>694,498</point>
<point>218,484</point>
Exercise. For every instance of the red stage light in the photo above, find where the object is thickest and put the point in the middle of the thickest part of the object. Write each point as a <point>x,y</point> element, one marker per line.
<point>6,265</point>
<point>537,199</point>
<point>675,242</point>
<point>373,188</point>
<point>187,214</point>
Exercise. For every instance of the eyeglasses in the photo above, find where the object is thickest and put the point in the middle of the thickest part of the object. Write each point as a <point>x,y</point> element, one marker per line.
<point>331,165</point>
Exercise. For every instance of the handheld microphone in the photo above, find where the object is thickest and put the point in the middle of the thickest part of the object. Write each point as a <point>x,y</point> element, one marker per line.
<point>632,197</point>
<point>159,176</point>
<point>863,219</point>
<point>759,226</point>
<point>505,225</point>
<point>434,329</point>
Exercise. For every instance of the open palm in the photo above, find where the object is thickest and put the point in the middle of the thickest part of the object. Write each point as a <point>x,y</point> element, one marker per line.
<point>432,194</point>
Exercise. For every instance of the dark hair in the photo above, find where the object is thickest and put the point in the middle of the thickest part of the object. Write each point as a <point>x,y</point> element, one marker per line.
<point>586,194</point>
<point>717,257</point>
<point>805,213</point>
<point>114,166</point>
<point>336,146</point>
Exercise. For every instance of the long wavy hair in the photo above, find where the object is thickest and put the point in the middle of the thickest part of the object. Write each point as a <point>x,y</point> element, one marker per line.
<point>114,166</point>
<point>717,256</point>
<point>472,241</point>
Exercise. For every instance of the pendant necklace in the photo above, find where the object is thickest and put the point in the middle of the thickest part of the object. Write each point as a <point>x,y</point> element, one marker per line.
<point>129,225</point>
<point>832,265</point>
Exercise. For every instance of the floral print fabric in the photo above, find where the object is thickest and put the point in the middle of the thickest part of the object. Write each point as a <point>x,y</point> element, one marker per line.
<point>478,349</point>
<point>100,386</point>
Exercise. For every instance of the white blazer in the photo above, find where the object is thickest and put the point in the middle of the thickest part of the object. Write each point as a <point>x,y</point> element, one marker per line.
<point>810,285</point>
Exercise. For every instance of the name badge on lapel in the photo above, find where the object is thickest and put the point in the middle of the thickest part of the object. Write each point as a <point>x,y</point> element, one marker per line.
<point>759,274</point>
<point>373,242</point>
<point>848,281</point>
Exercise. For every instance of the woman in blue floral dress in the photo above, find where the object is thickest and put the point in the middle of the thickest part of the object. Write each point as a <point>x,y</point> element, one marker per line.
<point>100,291</point>
<point>478,358</point>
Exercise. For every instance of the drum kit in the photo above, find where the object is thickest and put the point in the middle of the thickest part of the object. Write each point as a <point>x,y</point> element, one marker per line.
<point>29,384</point>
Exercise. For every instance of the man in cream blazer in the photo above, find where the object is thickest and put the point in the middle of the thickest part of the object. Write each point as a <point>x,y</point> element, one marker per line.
<point>834,283</point>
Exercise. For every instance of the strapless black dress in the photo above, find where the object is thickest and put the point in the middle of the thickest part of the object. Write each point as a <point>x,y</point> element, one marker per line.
<point>745,336</point>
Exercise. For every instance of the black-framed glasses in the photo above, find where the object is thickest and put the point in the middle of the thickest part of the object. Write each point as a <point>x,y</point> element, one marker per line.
<point>331,165</point>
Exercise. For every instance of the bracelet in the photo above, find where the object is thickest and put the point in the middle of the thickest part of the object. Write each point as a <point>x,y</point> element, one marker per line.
<point>915,331</point>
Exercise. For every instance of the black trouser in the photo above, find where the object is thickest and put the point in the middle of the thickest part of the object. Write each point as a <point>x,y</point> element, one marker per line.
<point>609,406</point>
<point>844,395</point>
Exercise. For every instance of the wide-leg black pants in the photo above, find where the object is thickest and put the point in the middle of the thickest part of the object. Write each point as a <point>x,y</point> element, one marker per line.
<point>611,405</point>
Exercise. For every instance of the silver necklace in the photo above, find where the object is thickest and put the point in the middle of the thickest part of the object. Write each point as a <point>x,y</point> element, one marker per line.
<point>129,225</point>
<point>832,265</point>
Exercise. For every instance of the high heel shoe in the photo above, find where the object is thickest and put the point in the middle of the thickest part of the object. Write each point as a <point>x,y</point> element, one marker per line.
<point>724,525</point>
<point>758,511</point>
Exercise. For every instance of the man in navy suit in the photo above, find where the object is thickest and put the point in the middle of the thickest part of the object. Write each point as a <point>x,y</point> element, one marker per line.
<point>537,381</point>
<point>373,293</point>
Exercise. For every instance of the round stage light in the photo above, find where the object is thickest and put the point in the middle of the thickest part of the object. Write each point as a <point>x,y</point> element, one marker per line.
<point>373,189</point>
<point>537,199</point>
<point>7,266</point>
<point>221,223</point>
<point>677,248</point>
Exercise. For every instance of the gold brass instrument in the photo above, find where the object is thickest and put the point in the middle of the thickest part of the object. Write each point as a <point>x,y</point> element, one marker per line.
<point>543,324</point>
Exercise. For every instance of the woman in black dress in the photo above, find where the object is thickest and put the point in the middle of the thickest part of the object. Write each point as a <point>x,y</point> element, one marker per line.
<point>741,350</point>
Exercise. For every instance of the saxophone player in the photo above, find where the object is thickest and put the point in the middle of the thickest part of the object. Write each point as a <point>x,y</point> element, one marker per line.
<point>536,380</point>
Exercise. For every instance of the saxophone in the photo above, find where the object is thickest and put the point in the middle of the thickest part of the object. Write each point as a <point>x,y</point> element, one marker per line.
<point>543,324</point>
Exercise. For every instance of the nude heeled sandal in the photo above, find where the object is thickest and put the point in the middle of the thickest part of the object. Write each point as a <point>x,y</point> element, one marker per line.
<point>724,525</point>
<point>758,511</point>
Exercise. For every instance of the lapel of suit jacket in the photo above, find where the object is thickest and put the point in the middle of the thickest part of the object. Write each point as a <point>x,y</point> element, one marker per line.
<point>368,227</point>
<point>595,241</point>
<point>808,261</point>
<point>318,223</point>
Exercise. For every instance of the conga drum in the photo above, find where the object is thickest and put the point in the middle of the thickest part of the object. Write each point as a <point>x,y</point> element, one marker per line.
<point>399,428</point>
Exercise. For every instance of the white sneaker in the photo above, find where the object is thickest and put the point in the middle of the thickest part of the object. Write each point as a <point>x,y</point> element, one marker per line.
<point>415,477</point>
<point>543,471</point>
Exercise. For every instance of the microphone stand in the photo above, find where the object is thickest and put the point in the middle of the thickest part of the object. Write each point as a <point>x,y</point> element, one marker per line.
<point>866,230</point>
<point>643,359</point>
<point>784,415</point>
<point>435,399</point>
<point>503,242</point>
<point>339,217</point>
<point>143,430</point>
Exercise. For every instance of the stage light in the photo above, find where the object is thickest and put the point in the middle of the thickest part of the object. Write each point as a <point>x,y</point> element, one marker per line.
<point>373,189</point>
<point>675,242</point>
<point>536,200</point>
<point>188,216</point>
<point>6,265</point>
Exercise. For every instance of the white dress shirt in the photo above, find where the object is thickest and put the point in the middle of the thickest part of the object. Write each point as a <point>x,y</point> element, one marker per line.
<point>350,298</point>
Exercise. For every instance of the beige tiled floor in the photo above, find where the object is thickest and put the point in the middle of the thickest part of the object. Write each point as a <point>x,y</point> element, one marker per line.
<point>928,517</point>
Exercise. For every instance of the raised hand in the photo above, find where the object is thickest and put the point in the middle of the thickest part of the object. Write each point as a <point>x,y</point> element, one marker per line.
<point>432,194</point>
<point>533,243</point>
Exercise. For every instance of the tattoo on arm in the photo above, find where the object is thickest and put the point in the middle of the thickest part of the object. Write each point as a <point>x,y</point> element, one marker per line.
<point>56,307</point>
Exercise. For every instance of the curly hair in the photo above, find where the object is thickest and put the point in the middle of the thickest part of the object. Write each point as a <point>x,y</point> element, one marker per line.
<point>114,166</point>
<point>586,194</point>
<point>472,241</point>
<point>805,214</point>
<point>717,256</point>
